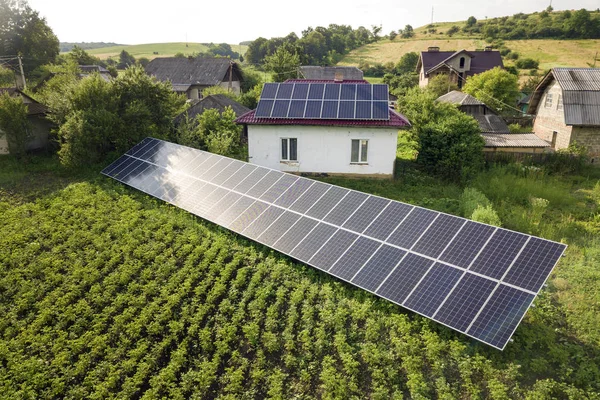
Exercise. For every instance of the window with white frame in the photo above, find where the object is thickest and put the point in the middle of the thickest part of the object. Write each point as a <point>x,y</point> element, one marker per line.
<point>548,102</point>
<point>359,151</point>
<point>559,105</point>
<point>289,149</point>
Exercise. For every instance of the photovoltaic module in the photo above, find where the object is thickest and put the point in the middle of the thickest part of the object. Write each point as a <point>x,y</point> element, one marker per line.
<point>475,278</point>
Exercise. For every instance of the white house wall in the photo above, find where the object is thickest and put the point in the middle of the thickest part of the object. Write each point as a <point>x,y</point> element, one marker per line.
<point>323,149</point>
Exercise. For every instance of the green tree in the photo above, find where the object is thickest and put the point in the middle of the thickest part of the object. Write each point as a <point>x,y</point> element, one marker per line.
<point>283,64</point>
<point>407,63</point>
<point>392,35</point>
<point>471,21</point>
<point>95,117</point>
<point>14,124</point>
<point>143,61</point>
<point>23,32</point>
<point>448,141</point>
<point>497,88</point>
<point>215,132</point>
<point>399,84</point>
<point>82,57</point>
<point>441,84</point>
<point>125,60</point>
<point>407,32</point>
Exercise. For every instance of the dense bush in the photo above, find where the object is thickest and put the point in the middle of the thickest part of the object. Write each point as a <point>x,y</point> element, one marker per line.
<point>527,63</point>
<point>214,132</point>
<point>449,143</point>
<point>95,117</point>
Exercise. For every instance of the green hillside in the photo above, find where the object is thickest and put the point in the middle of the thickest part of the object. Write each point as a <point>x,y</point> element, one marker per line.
<point>162,49</point>
<point>551,40</point>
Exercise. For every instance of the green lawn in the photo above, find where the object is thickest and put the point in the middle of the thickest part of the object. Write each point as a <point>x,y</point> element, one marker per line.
<point>108,293</point>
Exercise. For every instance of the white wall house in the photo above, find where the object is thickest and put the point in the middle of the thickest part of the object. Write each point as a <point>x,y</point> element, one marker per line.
<point>327,149</point>
<point>292,141</point>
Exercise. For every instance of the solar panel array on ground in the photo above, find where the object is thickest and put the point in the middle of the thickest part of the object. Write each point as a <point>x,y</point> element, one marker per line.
<point>475,278</point>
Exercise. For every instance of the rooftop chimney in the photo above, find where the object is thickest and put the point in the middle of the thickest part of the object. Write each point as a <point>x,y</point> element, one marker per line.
<point>433,49</point>
<point>488,48</point>
<point>339,76</point>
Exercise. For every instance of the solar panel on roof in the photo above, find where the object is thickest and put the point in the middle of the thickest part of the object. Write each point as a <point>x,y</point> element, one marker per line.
<point>349,101</point>
<point>474,278</point>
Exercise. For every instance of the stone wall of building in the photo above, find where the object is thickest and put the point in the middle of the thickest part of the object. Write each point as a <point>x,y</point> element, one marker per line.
<point>588,136</point>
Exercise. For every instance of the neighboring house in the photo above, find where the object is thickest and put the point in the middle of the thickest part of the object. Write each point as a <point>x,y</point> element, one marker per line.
<point>191,75</point>
<point>514,143</point>
<point>458,65</point>
<point>330,73</point>
<point>38,124</point>
<point>487,119</point>
<point>494,130</point>
<point>567,108</point>
<point>333,128</point>
<point>87,70</point>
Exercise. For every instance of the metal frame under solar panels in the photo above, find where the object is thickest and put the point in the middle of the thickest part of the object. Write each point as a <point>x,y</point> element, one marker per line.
<point>474,278</point>
<point>344,101</point>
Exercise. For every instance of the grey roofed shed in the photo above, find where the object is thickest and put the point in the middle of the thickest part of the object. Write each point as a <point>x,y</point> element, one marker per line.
<point>513,140</point>
<point>580,94</point>
<point>329,73</point>
<point>460,98</point>
<point>491,123</point>
<point>193,71</point>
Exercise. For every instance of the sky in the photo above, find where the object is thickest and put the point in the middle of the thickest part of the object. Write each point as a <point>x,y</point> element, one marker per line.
<point>152,21</point>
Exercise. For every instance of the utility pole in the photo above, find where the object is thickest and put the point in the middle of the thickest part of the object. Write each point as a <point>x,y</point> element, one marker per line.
<point>22,73</point>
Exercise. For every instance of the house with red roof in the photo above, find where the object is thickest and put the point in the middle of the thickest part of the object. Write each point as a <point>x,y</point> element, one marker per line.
<point>458,65</point>
<point>328,127</point>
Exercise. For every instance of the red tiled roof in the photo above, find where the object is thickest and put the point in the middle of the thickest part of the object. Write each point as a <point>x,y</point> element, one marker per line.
<point>396,120</point>
<point>324,81</point>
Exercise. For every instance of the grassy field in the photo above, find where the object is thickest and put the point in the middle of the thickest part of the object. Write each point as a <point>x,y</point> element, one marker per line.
<point>108,293</point>
<point>163,50</point>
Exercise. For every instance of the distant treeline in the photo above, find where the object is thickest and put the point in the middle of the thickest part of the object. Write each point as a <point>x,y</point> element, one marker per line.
<point>581,24</point>
<point>318,46</point>
<point>68,46</point>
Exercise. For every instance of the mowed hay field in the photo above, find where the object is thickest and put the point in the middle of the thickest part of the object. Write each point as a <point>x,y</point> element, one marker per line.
<point>549,52</point>
<point>163,49</point>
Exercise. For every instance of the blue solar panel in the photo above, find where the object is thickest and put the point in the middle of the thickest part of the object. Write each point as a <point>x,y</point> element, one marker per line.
<point>322,101</point>
<point>346,110</point>
<point>269,91</point>
<point>285,91</point>
<point>380,92</point>
<point>472,277</point>
<point>315,91</point>
<point>300,91</point>
<point>264,108</point>
<point>364,109</point>
<point>332,91</point>
<point>364,92</point>
<point>330,109</point>
<point>348,92</point>
<point>280,109</point>
<point>313,109</point>
<point>381,110</point>
<point>297,109</point>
